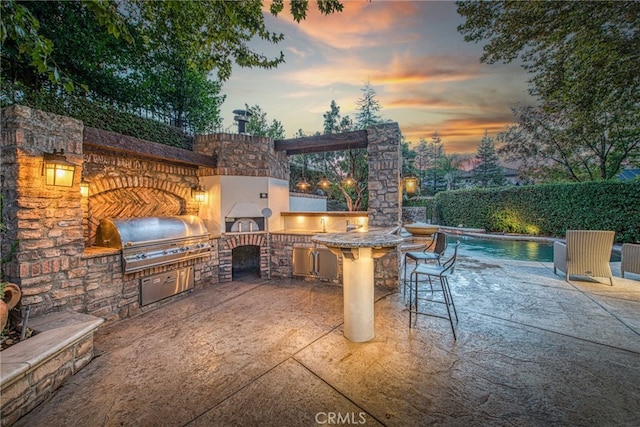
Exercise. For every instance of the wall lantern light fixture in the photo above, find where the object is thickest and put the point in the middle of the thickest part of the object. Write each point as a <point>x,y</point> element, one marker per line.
<point>84,188</point>
<point>57,170</point>
<point>411,184</point>
<point>198,194</point>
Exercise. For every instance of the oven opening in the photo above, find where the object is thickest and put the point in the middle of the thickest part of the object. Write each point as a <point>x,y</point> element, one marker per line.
<point>245,262</point>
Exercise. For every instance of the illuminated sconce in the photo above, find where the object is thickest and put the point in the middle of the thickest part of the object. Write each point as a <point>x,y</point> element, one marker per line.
<point>57,170</point>
<point>411,184</point>
<point>348,181</point>
<point>84,188</point>
<point>198,194</point>
<point>324,182</point>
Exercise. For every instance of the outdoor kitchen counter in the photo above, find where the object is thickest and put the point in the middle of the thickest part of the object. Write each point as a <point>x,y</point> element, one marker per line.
<point>358,250</point>
<point>371,238</point>
<point>99,251</point>
<point>303,232</point>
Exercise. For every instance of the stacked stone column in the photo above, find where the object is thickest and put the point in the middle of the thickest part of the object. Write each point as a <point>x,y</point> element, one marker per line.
<point>43,239</point>
<point>385,193</point>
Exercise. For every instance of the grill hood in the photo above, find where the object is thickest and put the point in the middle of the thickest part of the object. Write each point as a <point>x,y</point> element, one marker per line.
<point>121,232</point>
<point>154,241</point>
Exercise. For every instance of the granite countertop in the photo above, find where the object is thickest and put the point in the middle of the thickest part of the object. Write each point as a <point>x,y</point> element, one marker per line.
<point>374,238</point>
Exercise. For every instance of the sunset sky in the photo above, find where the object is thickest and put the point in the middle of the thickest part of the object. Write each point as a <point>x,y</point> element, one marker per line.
<point>427,78</point>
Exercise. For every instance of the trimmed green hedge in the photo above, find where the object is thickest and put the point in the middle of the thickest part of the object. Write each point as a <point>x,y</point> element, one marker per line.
<point>98,115</point>
<point>548,209</point>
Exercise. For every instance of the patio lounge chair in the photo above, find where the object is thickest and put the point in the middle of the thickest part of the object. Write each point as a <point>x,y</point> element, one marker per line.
<point>586,253</point>
<point>630,259</point>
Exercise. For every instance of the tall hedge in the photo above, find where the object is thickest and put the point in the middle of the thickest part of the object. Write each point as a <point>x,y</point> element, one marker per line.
<point>548,209</point>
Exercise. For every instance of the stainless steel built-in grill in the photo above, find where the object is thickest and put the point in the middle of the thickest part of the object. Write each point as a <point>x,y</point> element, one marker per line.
<point>154,241</point>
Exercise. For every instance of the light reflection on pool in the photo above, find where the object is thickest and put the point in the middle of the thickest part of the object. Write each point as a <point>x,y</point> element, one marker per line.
<point>509,249</point>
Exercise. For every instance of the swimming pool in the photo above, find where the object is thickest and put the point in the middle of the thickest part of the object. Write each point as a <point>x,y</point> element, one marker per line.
<point>523,250</point>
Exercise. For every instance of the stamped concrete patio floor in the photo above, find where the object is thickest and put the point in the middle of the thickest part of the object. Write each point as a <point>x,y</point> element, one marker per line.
<point>532,350</point>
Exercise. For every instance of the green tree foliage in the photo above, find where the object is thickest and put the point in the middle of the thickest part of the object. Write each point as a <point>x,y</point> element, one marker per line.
<point>428,157</point>
<point>26,42</point>
<point>340,165</point>
<point>259,125</point>
<point>547,149</point>
<point>352,163</point>
<point>164,58</point>
<point>435,151</point>
<point>488,172</point>
<point>421,159</point>
<point>450,169</point>
<point>408,159</point>
<point>583,61</point>
<point>368,108</point>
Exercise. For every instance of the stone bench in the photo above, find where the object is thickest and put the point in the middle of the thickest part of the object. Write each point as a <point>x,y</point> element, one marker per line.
<point>31,370</point>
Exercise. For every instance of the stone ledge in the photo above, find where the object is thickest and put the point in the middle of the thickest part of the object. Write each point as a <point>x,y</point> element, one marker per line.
<point>63,345</point>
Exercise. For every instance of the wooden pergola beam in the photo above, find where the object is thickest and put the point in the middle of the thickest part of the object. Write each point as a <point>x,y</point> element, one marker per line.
<point>104,140</point>
<point>323,143</point>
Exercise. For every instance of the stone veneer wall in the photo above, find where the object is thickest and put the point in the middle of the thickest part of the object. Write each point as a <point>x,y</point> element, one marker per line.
<point>411,214</point>
<point>50,226</point>
<point>243,155</point>
<point>43,222</point>
<point>385,193</point>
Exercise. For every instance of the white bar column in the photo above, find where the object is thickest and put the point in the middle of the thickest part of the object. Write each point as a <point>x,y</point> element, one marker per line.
<point>358,291</point>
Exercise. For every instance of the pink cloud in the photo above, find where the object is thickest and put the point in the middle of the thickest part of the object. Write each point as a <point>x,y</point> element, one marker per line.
<point>353,28</point>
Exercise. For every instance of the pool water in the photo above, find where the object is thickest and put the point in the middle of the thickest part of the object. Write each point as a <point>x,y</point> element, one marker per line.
<point>509,249</point>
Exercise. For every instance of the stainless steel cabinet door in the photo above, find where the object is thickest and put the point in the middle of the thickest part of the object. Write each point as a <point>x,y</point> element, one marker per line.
<point>316,262</point>
<point>326,264</point>
<point>303,261</point>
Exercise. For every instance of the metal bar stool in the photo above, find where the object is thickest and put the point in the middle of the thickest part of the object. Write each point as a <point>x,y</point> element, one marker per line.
<point>442,272</point>
<point>433,252</point>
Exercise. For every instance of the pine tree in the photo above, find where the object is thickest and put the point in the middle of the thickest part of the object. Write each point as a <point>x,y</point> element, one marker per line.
<point>435,153</point>
<point>368,108</point>
<point>488,172</point>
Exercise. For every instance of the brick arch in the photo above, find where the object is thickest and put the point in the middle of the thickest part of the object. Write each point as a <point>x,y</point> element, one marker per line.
<point>131,197</point>
<point>118,182</point>
<point>229,242</point>
<point>246,240</point>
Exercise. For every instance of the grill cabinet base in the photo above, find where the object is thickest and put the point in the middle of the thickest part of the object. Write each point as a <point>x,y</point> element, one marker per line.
<point>160,286</point>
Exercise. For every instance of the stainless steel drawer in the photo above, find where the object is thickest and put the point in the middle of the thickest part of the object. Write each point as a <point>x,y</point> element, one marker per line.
<point>160,286</point>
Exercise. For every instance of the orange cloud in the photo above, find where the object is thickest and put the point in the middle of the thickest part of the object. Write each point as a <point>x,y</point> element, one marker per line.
<point>458,135</point>
<point>409,68</point>
<point>352,28</point>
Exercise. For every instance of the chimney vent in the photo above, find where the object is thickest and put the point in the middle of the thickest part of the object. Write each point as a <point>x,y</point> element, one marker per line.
<point>242,117</point>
